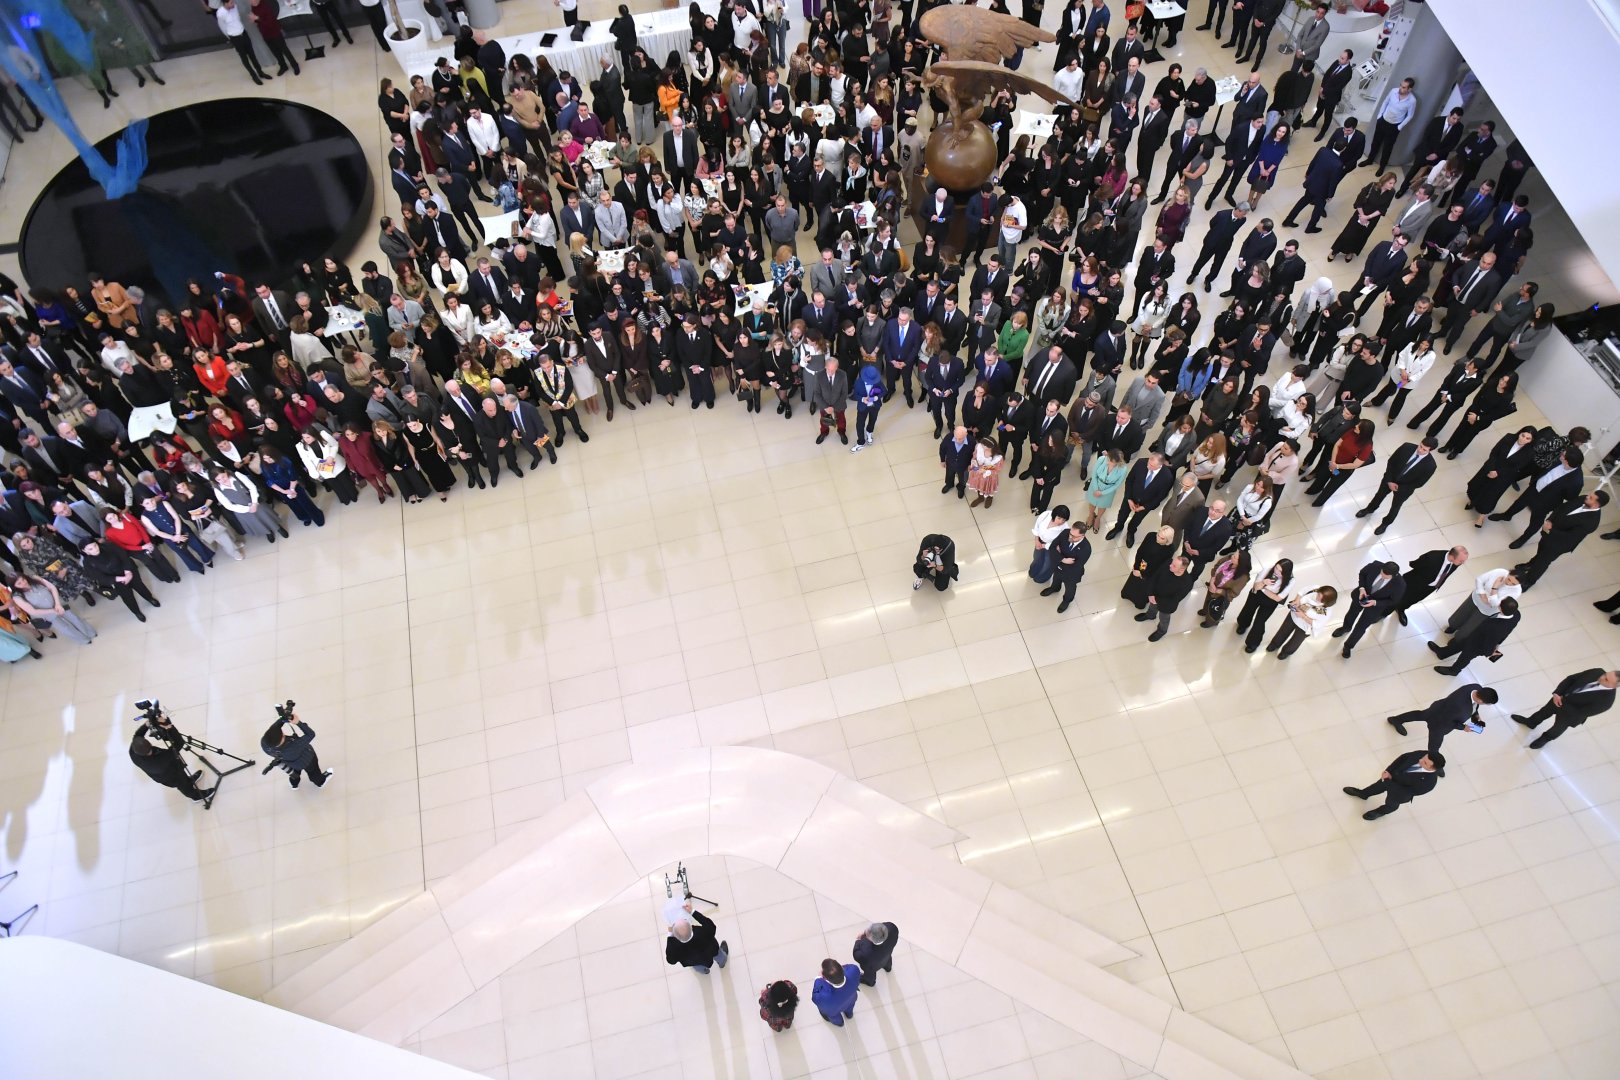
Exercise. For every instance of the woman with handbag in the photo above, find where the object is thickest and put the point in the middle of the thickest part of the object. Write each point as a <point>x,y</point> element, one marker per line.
<point>1226,582</point>
<point>39,600</point>
<point>1251,511</point>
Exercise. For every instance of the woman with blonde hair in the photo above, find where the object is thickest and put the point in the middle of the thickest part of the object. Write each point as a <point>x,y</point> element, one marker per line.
<point>1051,312</point>
<point>1209,461</point>
<point>1107,475</point>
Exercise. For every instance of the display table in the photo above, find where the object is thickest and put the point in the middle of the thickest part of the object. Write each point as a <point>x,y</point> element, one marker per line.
<point>659,32</point>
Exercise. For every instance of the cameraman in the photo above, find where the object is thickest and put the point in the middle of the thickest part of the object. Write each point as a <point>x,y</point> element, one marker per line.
<point>290,742</point>
<point>155,750</point>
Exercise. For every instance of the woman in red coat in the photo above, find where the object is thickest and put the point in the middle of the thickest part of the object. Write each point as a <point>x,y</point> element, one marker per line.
<point>226,423</point>
<point>211,371</point>
<point>201,328</point>
<point>125,531</point>
<point>361,457</point>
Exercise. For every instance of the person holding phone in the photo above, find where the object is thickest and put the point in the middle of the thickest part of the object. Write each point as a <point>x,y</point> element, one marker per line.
<point>1457,711</point>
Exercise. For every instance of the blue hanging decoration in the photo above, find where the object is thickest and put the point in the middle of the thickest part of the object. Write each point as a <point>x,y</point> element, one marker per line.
<point>23,59</point>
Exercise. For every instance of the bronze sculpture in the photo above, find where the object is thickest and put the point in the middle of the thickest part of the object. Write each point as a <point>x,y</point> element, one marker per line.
<point>961,152</point>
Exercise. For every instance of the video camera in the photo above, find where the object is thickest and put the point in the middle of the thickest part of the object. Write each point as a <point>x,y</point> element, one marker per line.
<point>152,711</point>
<point>285,711</point>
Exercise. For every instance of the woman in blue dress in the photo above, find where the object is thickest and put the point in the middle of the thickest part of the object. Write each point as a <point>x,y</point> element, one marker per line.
<point>1263,173</point>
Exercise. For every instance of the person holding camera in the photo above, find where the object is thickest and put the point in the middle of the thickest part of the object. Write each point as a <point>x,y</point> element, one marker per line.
<point>290,742</point>
<point>155,750</point>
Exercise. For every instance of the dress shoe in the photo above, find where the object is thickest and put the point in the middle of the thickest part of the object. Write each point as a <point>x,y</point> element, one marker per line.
<point>1519,543</point>
<point>843,438</point>
<point>942,490</point>
<point>1112,533</point>
<point>1498,517</point>
<point>819,438</point>
<point>961,493</point>
<point>1434,648</point>
<point>1381,530</point>
<point>1340,632</point>
<point>1357,792</point>
<point>1606,605</point>
<point>1063,607</point>
<point>1364,513</point>
<point>1130,540</point>
<point>1024,475</point>
<point>1156,635</point>
<point>1313,228</point>
<point>1374,815</point>
<point>1396,724</point>
<point>1611,535</point>
<point>1051,590</point>
<point>1518,719</point>
<point>1401,615</point>
<point>1444,670</point>
<point>1145,617</point>
<point>1345,652</point>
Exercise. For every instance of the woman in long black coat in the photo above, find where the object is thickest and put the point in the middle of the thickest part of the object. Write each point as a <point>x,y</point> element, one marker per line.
<point>1491,402</point>
<point>1510,459</point>
<point>1152,554</point>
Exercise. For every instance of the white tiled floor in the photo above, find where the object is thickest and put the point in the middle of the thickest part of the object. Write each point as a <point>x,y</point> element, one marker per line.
<point>710,579</point>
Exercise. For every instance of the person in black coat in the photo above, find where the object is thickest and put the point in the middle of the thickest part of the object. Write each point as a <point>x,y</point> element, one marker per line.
<point>935,561</point>
<point>874,950</point>
<point>1379,590</point>
<point>112,568</point>
<point>1204,540</point>
<point>1223,229</point>
<point>291,742</point>
<point>1485,639</point>
<point>1050,378</point>
<point>1407,777</point>
<point>155,750</point>
<point>494,434</point>
<point>694,943</point>
<point>1562,533</point>
<point>1171,585</point>
<point>942,381</point>
<point>955,455</point>
<point>1575,700</point>
<point>1426,574</point>
<point>1408,468</point>
<point>1457,711</point>
<point>694,355</point>
<point>1547,489</point>
<point>1012,426</point>
<point>1146,486</point>
<point>1069,552</point>
<point>1509,460</point>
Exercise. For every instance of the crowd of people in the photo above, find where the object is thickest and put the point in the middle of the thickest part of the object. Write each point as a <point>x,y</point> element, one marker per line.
<point>1039,314</point>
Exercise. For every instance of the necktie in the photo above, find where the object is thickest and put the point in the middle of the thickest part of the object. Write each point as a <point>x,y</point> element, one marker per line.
<point>275,312</point>
<point>517,419</point>
<point>1046,377</point>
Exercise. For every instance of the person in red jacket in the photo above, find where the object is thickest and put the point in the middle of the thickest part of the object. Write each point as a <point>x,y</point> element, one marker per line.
<point>361,457</point>
<point>125,531</point>
<point>269,24</point>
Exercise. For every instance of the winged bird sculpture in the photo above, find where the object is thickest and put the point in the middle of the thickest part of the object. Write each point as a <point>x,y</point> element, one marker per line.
<point>962,151</point>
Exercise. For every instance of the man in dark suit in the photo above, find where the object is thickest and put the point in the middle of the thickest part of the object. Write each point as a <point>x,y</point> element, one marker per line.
<point>462,159</point>
<point>1440,137</point>
<point>1575,700</point>
<point>487,282</point>
<point>576,217</point>
<point>874,950</point>
<point>823,191</point>
<point>1051,378</point>
<point>1407,777</point>
<point>680,153</point>
<point>1266,13</point>
<point>1242,147</point>
<point>992,276</point>
<point>1457,711</point>
<point>1550,489</point>
<point>1108,351</point>
<point>1153,128</point>
<point>1223,229</point>
<point>1384,263</point>
<point>1562,533</point>
<point>875,139</point>
<point>439,233</point>
<point>1483,638</point>
<point>902,338</point>
<point>1182,145</point>
<point>1473,150</point>
<point>1426,574</point>
<point>1413,322</point>
<point>24,391</point>
<point>1479,205</point>
<point>495,439</point>
<point>1506,218</point>
<point>1474,288</point>
<point>1379,588</point>
<point>1013,424</point>
<point>930,304</point>
<point>1156,263</point>
<point>271,310</point>
<point>1256,248</point>
<point>955,455</point>
<point>1408,468</point>
<point>518,304</point>
<point>1455,390</point>
<point>529,429</point>
<point>39,356</point>
<point>1069,553</point>
<point>1250,103</point>
<point>942,383</point>
<point>1335,77</point>
<point>1287,270</point>
<point>1202,540</point>
<point>1146,486</point>
<point>694,352</point>
<point>1254,352</point>
<point>1086,420</point>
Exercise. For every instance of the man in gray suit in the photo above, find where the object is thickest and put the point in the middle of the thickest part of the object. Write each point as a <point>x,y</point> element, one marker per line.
<point>1145,399</point>
<point>827,275</point>
<point>612,226</point>
<point>677,272</point>
<point>1309,37</point>
<point>828,395</point>
<point>1185,504</point>
<point>742,98</point>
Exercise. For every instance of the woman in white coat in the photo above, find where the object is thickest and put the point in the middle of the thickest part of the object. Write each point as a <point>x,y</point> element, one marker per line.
<point>1411,364</point>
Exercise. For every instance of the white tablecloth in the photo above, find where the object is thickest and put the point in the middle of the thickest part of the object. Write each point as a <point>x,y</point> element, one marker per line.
<point>658,32</point>
<point>344,320</point>
<point>1226,89</point>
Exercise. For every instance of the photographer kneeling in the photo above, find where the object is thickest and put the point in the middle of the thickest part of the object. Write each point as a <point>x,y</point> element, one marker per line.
<point>290,742</point>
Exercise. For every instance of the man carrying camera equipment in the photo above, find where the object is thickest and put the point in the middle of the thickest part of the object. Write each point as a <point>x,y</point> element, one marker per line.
<point>290,743</point>
<point>155,750</point>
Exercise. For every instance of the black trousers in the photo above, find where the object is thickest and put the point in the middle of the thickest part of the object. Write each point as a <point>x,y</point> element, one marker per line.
<point>1401,494</point>
<point>333,24</point>
<point>493,452</point>
<point>923,570</point>
<point>316,775</point>
<point>1447,410</point>
<point>378,19</point>
<point>1437,731</point>
<point>943,410</point>
<point>1326,483</point>
<point>1015,441</point>
<point>956,478</point>
<point>1391,804</point>
<point>281,54</point>
<point>128,592</point>
<point>1251,621</point>
<point>158,563</point>
<point>701,387</point>
<point>1358,620</point>
<point>1212,255</point>
<point>1133,524</point>
<point>570,414</point>
<point>1216,15</point>
<point>901,375</point>
<point>1040,495</point>
<point>244,48</point>
<point>1383,143</point>
<point>1559,726</point>
<point>1318,210</point>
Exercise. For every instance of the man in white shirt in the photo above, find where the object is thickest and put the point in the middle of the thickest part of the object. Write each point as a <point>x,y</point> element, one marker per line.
<point>486,140</point>
<point>1396,111</point>
<point>229,17</point>
<point>1014,219</point>
<point>1485,602</point>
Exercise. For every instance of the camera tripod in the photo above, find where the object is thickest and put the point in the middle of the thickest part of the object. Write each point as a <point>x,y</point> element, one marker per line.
<point>686,887</point>
<point>197,748</point>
